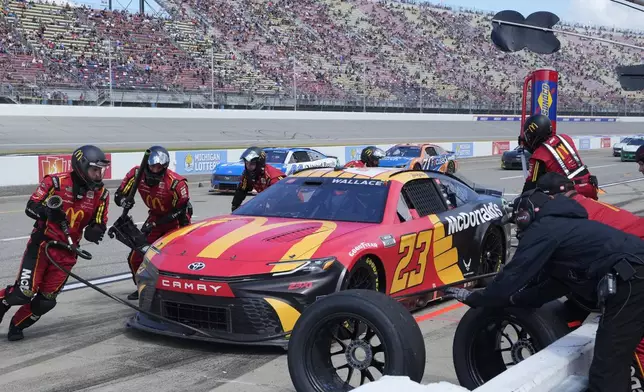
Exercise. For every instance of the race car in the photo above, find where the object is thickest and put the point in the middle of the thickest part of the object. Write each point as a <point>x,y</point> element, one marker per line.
<point>226,176</point>
<point>617,147</point>
<point>420,156</point>
<point>512,159</point>
<point>248,275</point>
<point>629,149</point>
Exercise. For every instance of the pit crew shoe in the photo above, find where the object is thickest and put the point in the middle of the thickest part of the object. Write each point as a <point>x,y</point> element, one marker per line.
<point>15,333</point>
<point>134,296</point>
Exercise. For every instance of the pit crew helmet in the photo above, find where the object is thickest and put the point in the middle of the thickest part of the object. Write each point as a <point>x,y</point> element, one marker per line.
<point>89,164</point>
<point>536,130</point>
<point>553,183</point>
<point>254,156</point>
<point>525,208</point>
<point>371,156</point>
<point>157,165</point>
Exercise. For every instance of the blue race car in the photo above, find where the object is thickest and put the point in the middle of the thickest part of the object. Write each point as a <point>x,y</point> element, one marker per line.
<point>420,157</point>
<point>226,176</point>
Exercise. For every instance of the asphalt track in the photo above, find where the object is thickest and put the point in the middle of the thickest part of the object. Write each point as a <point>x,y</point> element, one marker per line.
<point>82,344</point>
<point>20,134</point>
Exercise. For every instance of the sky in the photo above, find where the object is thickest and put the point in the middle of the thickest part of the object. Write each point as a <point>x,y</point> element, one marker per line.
<point>600,12</point>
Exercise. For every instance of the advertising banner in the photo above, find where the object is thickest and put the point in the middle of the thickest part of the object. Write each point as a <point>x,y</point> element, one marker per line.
<point>52,164</point>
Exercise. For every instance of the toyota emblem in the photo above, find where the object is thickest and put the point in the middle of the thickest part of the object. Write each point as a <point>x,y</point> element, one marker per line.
<point>196,266</point>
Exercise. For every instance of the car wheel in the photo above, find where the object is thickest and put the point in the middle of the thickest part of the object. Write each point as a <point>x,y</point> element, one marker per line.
<point>392,344</point>
<point>365,275</point>
<point>488,341</point>
<point>492,254</point>
<point>451,168</point>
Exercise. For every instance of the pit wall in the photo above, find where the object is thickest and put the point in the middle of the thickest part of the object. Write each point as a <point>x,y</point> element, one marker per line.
<point>29,170</point>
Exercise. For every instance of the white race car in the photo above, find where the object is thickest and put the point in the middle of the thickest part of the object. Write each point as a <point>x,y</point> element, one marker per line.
<point>628,151</point>
<point>617,147</point>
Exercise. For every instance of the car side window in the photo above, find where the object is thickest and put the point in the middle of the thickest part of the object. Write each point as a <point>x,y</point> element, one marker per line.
<point>458,194</point>
<point>431,151</point>
<point>301,156</point>
<point>423,196</point>
<point>403,210</point>
<point>315,156</point>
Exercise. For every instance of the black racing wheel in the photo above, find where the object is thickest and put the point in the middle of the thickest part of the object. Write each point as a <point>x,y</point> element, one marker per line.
<point>390,343</point>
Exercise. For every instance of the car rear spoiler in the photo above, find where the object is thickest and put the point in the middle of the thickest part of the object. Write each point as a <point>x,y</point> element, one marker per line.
<point>488,191</point>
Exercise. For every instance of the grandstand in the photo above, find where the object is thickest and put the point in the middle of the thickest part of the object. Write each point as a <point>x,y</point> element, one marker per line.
<point>349,54</point>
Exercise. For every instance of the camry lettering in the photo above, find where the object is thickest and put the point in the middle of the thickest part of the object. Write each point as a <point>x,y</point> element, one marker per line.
<point>361,246</point>
<point>357,182</point>
<point>465,220</point>
<point>190,286</point>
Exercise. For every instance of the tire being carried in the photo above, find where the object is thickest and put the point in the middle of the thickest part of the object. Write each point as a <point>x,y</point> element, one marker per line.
<point>391,342</point>
<point>487,341</point>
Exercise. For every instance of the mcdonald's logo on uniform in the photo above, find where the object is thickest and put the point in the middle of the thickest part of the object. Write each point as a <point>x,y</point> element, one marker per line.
<point>154,203</point>
<point>74,217</point>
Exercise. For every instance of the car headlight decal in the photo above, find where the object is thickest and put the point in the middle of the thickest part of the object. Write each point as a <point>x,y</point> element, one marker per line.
<point>312,265</point>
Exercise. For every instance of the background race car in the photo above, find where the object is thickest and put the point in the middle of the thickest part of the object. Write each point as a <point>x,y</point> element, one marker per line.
<point>247,276</point>
<point>617,147</point>
<point>226,176</point>
<point>629,149</point>
<point>512,159</point>
<point>420,156</point>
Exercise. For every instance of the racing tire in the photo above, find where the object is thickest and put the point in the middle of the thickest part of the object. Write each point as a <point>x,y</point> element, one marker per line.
<point>310,354</point>
<point>366,275</point>
<point>477,353</point>
<point>492,256</point>
<point>451,168</point>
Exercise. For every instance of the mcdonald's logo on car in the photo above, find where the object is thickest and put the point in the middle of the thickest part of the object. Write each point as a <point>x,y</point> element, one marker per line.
<point>154,203</point>
<point>74,217</point>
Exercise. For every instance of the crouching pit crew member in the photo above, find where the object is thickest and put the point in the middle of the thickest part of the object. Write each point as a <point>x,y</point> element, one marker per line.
<point>85,207</point>
<point>257,175</point>
<point>554,153</point>
<point>561,251</point>
<point>166,195</point>
<point>369,157</point>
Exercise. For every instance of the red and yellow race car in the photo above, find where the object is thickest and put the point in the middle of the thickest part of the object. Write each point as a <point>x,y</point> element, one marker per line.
<point>251,273</point>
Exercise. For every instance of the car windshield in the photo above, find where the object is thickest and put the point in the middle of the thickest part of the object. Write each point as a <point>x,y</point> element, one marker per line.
<point>636,142</point>
<point>403,151</point>
<point>275,156</point>
<point>336,199</point>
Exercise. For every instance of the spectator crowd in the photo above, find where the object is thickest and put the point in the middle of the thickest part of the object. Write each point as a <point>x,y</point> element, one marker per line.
<point>330,49</point>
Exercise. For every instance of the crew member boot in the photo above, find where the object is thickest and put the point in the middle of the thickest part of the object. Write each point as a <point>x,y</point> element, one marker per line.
<point>134,296</point>
<point>15,333</point>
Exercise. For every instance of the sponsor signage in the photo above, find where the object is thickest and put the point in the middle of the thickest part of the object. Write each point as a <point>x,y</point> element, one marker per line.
<point>200,161</point>
<point>605,142</point>
<point>465,220</point>
<point>498,148</point>
<point>463,149</point>
<point>362,246</point>
<point>53,164</point>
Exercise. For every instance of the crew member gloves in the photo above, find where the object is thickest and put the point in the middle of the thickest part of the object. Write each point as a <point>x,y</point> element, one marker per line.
<point>94,233</point>
<point>458,293</point>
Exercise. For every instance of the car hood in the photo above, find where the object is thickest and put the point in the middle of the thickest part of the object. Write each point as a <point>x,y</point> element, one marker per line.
<point>394,161</point>
<point>618,145</point>
<point>630,148</point>
<point>234,245</point>
<point>226,169</point>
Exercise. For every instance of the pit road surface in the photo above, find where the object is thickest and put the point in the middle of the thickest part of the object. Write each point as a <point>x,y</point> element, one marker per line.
<point>82,344</point>
<point>39,134</point>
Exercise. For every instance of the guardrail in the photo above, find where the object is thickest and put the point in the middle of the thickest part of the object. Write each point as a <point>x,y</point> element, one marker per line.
<point>28,170</point>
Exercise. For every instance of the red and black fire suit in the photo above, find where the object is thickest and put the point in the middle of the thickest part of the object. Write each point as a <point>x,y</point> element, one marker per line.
<point>39,282</point>
<point>626,222</point>
<point>168,203</point>
<point>356,163</point>
<point>259,180</point>
<point>558,154</point>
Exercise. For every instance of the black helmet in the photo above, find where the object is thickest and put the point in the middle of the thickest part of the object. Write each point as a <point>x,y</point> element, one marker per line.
<point>639,154</point>
<point>89,158</point>
<point>536,130</point>
<point>371,156</point>
<point>158,156</point>
<point>552,183</point>
<point>254,155</point>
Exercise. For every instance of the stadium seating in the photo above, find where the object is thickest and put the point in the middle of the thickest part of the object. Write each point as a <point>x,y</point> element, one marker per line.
<point>400,52</point>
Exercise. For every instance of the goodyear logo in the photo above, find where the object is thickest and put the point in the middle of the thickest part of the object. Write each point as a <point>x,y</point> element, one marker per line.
<point>545,99</point>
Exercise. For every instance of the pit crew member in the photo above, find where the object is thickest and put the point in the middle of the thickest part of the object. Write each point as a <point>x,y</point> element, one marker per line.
<point>257,175</point>
<point>167,197</point>
<point>85,207</point>
<point>562,251</point>
<point>639,158</point>
<point>369,157</point>
<point>554,153</point>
